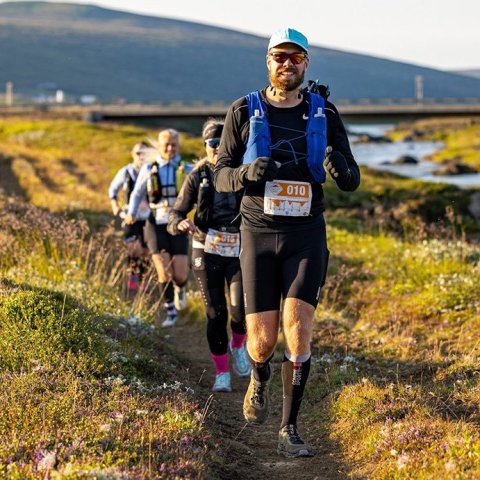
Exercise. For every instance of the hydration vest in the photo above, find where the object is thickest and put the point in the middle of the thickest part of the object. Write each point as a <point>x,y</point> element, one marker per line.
<point>128,185</point>
<point>214,209</point>
<point>259,140</point>
<point>156,191</point>
<point>204,198</point>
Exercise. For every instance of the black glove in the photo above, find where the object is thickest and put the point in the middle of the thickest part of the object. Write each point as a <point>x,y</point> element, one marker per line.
<point>262,169</point>
<point>335,164</point>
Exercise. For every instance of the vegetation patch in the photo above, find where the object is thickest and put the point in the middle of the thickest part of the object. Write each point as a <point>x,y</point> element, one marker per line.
<point>460,135</point>
<point>87,391</point>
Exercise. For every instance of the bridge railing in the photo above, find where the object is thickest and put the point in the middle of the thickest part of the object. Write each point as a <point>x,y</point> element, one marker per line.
<point>407,101</point>
<point>219,105</point>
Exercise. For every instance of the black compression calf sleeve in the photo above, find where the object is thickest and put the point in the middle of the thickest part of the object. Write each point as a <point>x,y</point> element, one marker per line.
<point>166,291</point>
<point>294,378</point>
<point>261,370</point>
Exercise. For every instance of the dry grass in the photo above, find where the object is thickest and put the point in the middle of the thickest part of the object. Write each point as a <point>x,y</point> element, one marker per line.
<point>396,344</point>
<point>86,391</point>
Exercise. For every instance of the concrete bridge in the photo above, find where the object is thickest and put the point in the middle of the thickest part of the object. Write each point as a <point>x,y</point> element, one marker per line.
<point>190,117</point>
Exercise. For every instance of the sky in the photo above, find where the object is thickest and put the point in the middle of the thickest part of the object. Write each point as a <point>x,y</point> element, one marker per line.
<point>442,34</point>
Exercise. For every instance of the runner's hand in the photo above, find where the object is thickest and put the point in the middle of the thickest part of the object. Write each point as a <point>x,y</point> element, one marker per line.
<point>262,169</point>
<point>186,226</point>
<point>130,220</point>
<point>335,163</point>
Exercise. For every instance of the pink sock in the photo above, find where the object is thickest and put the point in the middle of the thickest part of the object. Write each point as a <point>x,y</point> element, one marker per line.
<point>221,363</point>
<point>237,340</point>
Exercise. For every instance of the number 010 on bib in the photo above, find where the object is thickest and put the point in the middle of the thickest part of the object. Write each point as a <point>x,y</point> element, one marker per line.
<point>288,198</point>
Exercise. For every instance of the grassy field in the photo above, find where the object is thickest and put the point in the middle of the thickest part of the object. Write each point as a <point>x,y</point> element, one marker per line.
<point>90,388</point>
<point>460,135</point>
<point>66,166</point>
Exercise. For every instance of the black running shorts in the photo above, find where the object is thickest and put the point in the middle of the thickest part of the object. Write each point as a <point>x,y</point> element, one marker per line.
<point>134,232</point>
<point>158,239</point>
<point>276,265</point>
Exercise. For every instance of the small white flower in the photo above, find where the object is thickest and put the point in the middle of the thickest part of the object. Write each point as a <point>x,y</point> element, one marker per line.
<point>402,461</point>
<point>48,460</point>
<point>118,417</point>
<point>106,427</point>
<point>326,358</point>
<point>133,321</point>
<point>450,466</point>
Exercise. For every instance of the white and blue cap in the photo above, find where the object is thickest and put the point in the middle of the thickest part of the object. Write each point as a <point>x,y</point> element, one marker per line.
<point>288,35</point>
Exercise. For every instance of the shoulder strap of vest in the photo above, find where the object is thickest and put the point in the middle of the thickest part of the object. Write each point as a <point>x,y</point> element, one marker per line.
<point>203,170</point>
<point>131,171</point>
<point>316,104</point>
<point>314,86</point>
<point>255,103</point>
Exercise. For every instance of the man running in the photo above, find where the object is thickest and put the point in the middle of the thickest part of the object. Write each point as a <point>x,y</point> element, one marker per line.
<point>158,182</point>
<point>277,144</point>
<point>124,181</point>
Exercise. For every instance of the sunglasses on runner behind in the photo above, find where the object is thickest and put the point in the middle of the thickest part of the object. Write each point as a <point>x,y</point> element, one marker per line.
<point>296,57</point>
<point>212,142</point>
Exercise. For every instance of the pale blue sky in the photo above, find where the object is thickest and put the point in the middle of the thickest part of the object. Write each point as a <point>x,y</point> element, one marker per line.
<point>443,34</point>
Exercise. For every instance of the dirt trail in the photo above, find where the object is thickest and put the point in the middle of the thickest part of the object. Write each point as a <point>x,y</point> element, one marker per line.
<point>249,452</point>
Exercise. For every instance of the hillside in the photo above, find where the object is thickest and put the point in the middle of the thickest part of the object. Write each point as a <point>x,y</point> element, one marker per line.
<point>91,50</point>
<point>473,72</point>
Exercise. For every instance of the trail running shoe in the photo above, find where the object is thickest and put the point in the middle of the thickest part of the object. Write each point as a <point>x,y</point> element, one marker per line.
<point>256,403</point>
<point>290,444</point>
<point>241,365</point>
<point>180,297</point>
<point>170,321</point>
<point>222,383</point>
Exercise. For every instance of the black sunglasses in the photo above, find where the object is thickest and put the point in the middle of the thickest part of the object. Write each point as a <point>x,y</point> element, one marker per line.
<point>212,142</point>
<point>296,57</point>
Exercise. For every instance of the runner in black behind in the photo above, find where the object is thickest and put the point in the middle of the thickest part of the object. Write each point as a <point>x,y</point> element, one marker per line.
<point>124,181</point>
<point>215,249</point>
<point>284,249</point>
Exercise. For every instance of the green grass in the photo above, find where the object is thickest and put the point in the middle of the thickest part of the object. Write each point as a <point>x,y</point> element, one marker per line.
<point>460,135</point>
<point>404,401</point>
<point>85,392</point>
<point>67,166</point>
<point>88,392</point>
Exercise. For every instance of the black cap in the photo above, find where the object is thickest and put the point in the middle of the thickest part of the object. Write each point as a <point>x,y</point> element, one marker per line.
<point>212,130</point>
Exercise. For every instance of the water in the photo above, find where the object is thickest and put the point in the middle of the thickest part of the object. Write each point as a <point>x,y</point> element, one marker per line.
<point>374,155</point>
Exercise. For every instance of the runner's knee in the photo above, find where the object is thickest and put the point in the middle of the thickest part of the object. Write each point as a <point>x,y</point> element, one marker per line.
<point>260,348</point>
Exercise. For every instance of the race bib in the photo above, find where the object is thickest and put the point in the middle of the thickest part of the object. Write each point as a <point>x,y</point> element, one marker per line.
<point>222,243</point>
<point>287,198</point>
<point>161,212</point>
<point>143,211</point>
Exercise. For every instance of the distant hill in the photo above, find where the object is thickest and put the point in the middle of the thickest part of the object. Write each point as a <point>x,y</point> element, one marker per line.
<point>90,50</point>
<point>472,72</point>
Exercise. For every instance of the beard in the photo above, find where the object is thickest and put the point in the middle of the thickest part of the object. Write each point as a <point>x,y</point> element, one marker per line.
<point>286,84</point>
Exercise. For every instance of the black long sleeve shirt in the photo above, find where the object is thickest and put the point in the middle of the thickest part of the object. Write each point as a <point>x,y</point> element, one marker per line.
<point>224,210</point>
<point>285,124</point>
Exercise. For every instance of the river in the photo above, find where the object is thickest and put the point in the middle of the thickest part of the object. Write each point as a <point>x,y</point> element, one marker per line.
<point>374,155</point>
